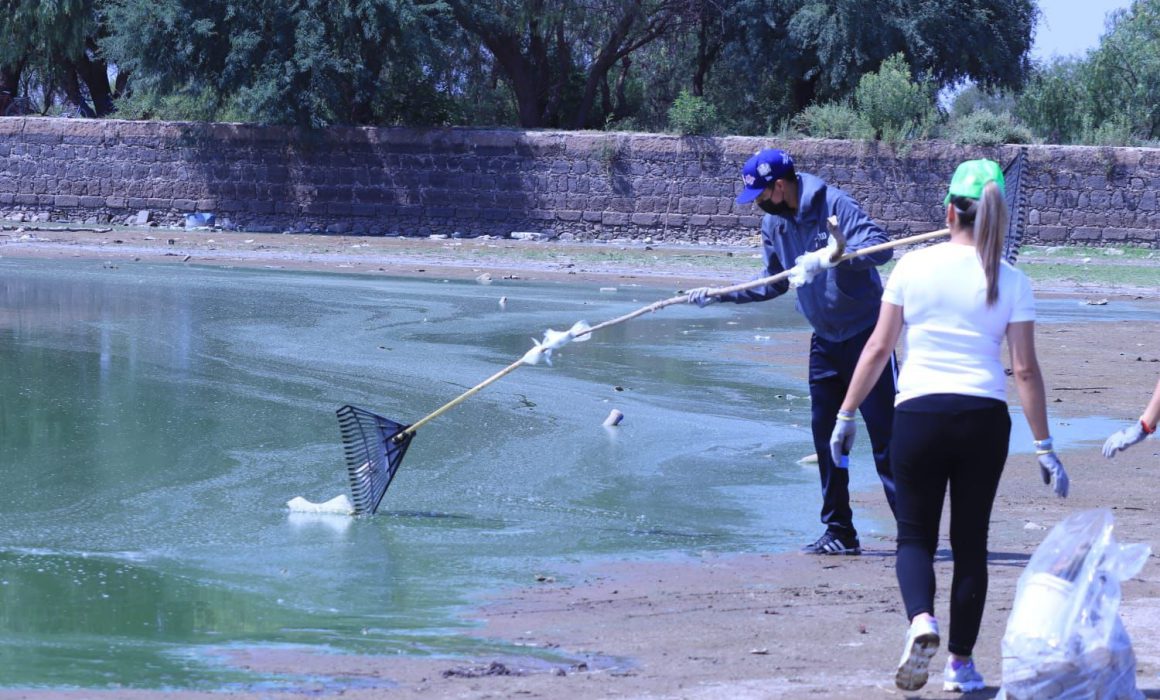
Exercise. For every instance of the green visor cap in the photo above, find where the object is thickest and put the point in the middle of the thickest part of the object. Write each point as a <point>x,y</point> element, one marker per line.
<point>972,176</point>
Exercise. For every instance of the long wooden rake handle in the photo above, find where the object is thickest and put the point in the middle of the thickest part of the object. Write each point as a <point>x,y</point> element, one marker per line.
<point>772,279</point>
<point>657,306</point>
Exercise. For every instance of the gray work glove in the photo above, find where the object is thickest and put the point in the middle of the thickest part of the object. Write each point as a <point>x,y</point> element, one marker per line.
<point>1050,468</point>
<point>700,296</point>
<point>1123,439</point>
<point>842,439</point>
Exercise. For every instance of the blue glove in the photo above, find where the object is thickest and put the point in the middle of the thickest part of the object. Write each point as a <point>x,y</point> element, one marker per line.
<point>1050,468</point>
<point>700,296</point>
<point>1123,439</point>
<point>842,439</point>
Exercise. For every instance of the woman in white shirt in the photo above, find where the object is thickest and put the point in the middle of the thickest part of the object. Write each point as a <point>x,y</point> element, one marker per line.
<point>957,302</point>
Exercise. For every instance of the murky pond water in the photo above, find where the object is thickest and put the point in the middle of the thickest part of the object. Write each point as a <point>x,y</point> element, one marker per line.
<point>155,420</point>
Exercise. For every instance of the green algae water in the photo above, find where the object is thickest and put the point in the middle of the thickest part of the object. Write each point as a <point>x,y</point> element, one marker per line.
<point>154,420</point>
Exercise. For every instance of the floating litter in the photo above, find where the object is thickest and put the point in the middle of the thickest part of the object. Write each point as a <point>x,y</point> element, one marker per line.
<point>809,459</point>
<point>339,505</point>
<point>554,340</point>
<point>613,418</point>
<point>608,289</point>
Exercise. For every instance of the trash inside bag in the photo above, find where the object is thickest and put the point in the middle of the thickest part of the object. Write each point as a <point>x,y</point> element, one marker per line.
<point>1064,636</point>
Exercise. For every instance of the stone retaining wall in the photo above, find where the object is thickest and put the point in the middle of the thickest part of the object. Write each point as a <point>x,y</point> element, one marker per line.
<point>468,182</point>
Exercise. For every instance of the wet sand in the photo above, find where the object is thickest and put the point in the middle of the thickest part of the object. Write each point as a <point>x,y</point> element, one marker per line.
<point>709,626</point>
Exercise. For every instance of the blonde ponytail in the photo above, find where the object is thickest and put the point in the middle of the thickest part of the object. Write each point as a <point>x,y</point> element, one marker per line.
<point>990,230</point>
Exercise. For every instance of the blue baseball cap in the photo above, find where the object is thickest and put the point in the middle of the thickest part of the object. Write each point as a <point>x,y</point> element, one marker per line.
<point>761,170</point>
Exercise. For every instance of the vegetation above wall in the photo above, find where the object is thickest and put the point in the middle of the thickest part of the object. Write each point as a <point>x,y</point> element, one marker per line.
<point>873,69</point>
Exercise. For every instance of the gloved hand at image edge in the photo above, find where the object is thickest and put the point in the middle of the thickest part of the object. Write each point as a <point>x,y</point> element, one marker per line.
<point>808,266</point>
<point>842,439</point>
<point>1123,439</point>
<point>700,296</point>
<point>1050,468</point>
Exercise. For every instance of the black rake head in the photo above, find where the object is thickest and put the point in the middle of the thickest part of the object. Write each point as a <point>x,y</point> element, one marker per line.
<point>373,449</point>
<point>1015,196</point>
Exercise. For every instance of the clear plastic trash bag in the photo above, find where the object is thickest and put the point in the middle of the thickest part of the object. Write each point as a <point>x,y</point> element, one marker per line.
<point>1064,636</point>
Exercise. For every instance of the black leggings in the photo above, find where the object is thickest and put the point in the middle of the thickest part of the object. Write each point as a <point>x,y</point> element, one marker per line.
<point>939,440</point>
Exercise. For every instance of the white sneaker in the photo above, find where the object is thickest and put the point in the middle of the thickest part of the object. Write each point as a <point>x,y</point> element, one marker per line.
<point>921,644</point>
<point>964,679</point>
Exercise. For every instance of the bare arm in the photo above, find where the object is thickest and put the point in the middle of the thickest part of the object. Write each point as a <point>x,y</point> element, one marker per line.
<point>875,355</point>
<point>1028,377</point>
<point>1152,412</point>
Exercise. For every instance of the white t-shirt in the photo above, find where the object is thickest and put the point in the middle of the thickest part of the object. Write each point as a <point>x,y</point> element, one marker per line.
<point>952,337</point>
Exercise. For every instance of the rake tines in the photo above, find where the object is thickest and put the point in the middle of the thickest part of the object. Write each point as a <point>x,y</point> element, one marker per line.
<point>373,454</point>
<point>1016,198</point>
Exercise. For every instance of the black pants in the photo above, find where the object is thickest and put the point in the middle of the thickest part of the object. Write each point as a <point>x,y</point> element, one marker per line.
<point>959,441</point>
<point>831,369</point>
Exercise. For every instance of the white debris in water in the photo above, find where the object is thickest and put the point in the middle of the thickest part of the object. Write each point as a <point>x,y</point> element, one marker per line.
<point>554,340</point>
<point>503,302</point>
<point>809,459</point>
<point>613,418</point>
<point>339,505</point>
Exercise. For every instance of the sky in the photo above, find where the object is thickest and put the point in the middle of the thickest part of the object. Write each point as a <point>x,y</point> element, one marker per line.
<point>1071,27</point>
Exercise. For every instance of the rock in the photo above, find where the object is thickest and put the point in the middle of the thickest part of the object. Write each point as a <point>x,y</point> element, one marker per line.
<point>142,218</point>
<point>532,235</point>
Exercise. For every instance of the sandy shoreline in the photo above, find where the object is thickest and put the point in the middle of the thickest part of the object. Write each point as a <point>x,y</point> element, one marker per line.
<point>711,626</point>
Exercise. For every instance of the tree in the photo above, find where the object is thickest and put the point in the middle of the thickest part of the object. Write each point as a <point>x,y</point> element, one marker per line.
<point>781,56</point>
<point>892,103</point>
<point>556,55</point>
<point>57,42</point>
<point>985,41</point>
<point>1125,70</point>
<point>1055,101</point>
<point>306,62</point>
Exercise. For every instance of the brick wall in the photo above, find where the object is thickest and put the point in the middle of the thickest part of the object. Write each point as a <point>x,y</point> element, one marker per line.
<point>586,185</point>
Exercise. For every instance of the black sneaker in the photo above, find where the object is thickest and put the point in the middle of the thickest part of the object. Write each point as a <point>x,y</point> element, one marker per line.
<point>829,543</point>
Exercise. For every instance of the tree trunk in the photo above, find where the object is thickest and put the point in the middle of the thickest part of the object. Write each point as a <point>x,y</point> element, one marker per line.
<point>9,84</point>
<point>526,81</point>
<point>95,74</point>
<point>121,84</point>
<point>72,89</point>
<point>621,108</point>
<point>558,83</point>
<point>707,51</point>
<point>607,58</point>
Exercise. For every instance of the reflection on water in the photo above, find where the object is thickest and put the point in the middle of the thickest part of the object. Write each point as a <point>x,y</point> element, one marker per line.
<point>154,420</point>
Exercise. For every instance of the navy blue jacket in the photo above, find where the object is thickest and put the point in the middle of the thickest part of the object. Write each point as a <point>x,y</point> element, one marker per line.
<point>844,300</point>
